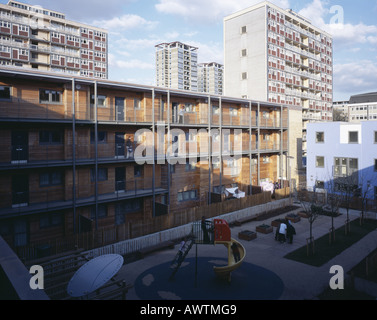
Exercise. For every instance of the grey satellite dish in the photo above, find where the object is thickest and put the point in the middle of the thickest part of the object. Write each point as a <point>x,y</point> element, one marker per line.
<point>94,274</point>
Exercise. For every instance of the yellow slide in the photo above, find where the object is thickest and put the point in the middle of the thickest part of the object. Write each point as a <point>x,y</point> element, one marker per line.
<point>225,271</point>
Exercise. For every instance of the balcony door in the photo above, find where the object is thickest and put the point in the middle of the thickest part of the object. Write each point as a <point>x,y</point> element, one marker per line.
<point>20,190</point>
<point>20,146</point>
<point>119,109</point>
<point>120,179</point>
<point>119,144</point>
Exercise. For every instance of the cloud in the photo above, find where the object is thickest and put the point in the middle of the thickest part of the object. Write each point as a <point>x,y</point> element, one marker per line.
<point>343,33</point>
<point>357,76</point>
<point>207,11</point>
<point>125,22</point>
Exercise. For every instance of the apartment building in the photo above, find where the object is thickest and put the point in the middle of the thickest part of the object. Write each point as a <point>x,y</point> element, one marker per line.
<point>276,55</point>
<point>340,110</point>
<point>132,155</point>
<point>343,153</point>
<point>363,107</point>
<point>210,78</point>
<point>36,38</point>
<point>177,66</point>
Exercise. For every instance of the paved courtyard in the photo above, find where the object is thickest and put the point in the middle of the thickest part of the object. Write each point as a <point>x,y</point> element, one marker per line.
<point>264,275</point>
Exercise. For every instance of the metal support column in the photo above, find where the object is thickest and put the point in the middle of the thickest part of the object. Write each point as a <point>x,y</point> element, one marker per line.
<point>154,155</point>
<point>74,156</point>
<point>96,150</point>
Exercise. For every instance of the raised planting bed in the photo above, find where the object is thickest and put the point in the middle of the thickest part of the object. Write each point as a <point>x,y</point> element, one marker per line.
<point>294,218</point>
<point>247,235</point>
<point>303,214</point>
<point>276,223</point>
<point>265,229</point>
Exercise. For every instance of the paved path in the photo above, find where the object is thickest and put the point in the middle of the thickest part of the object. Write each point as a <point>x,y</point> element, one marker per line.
<point>265,273</point>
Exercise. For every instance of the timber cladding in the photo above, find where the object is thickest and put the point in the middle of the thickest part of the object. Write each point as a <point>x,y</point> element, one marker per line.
<point>125,190</point>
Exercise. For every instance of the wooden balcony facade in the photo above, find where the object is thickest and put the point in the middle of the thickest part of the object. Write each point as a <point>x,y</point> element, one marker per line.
<point>117,154</point>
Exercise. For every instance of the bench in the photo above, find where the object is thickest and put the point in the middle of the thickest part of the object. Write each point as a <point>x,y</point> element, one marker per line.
<point>160,246</point>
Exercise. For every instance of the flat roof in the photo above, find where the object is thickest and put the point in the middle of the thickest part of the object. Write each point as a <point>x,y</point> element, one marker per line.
<point>16,72</point>
<point>287,12</point>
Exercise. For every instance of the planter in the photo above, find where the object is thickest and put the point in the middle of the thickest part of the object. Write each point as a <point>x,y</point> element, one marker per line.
<point>265,229</point>
<point>276,223</point>
<point>247,235</point>
<point>303,215</point>
<point>294,218</point>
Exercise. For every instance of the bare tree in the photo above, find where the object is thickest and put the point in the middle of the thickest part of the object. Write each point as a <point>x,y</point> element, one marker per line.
<point>312,210</point>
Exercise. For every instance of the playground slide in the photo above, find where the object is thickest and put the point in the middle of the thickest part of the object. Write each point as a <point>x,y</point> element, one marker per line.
<point>225,271</point>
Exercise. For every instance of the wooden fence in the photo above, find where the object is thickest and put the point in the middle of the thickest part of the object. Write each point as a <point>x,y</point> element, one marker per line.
<point>136,229</point>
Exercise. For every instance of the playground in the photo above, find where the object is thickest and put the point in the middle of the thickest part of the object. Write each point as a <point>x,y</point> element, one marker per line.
<point>193,276</point>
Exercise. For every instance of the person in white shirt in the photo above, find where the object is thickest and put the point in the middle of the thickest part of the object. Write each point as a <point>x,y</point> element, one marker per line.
<point>282,232</point>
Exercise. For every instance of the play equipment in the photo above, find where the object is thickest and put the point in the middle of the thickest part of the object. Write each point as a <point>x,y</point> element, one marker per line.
<point>207,232</point>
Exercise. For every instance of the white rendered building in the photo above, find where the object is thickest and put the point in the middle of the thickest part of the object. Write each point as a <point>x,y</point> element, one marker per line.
<point>337,150</point>
<point>272,54</point>
<point>363,107</point>
<point>177,66</point>
<point>210,78</point>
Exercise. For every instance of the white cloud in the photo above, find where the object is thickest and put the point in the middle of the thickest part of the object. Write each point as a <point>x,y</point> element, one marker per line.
<point>356,76</point>
<point>131,64</point>
<point>125,22</point>
<point>208,11</point>
<point>343,34</point>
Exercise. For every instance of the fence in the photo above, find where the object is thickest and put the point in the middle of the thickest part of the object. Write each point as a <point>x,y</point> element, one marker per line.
<point>174,226</point>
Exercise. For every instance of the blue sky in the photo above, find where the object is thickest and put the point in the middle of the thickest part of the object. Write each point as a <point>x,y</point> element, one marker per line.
<point>136,26</point>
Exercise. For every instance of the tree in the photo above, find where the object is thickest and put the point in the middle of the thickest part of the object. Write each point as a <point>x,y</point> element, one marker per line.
<point>339,115</point>
<point>312,211</point>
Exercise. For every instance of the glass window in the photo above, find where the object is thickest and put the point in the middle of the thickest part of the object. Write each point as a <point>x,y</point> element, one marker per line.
<point>102,174</point>
<point>320,137</point>
<point>102,137</point>
<point>353,137</point>
<point>51,137</point>
<point>320,162</point>
<point>4,93</point>
<point>375,136</point>
<point>50,96</point>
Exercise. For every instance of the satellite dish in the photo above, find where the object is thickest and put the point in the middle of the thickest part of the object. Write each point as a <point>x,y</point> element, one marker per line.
<point>94,274</point>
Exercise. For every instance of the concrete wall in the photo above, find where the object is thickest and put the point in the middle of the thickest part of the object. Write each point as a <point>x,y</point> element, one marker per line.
<point>295,143</point>
<point>254,63</point>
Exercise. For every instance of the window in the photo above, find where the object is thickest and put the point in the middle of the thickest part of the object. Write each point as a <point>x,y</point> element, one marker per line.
<point>4,93</point>
<point>51,220</point>
<point>102,211</point>
<point>244,76</point>
<point>48,179</point>
<point>137,103</point>
<point>50,96</point>
<point>187,195</point>
<point>345,167</point>
<point>320,162</point>
<point>375,136</point>
<point>375,165</point>
<point>320,137</point>
<point>243,29</point>
<point>243,52</point>
<point>215,110</point>
<point>138,171</point>
<point>51,137</point>
<point>102,174</point>
<point>353,137</point>
<point>101,101</point>
<point>102,137</point>
<point>128,206</point>
<point>319,184</point>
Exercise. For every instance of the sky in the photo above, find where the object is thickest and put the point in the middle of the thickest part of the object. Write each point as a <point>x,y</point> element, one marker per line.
<point>136,26</point>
